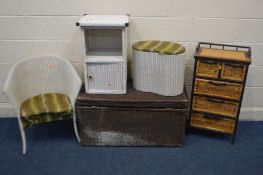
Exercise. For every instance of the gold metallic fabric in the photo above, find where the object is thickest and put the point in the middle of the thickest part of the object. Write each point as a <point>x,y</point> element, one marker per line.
<point>161,47</point>
<point>45,108</point>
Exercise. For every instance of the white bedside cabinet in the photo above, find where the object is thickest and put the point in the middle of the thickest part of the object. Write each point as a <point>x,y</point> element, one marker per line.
<point>104,48</point>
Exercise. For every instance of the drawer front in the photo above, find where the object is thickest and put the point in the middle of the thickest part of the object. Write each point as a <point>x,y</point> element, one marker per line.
<point>218,89</point>
<point>213,123</point>
<point>215,106</point>
<point>234,72</point>
<point>207,68</point>
<point>130,127</point>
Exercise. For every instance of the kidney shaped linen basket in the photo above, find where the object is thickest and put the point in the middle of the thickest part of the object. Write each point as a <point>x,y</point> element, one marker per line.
<point>158,67</point>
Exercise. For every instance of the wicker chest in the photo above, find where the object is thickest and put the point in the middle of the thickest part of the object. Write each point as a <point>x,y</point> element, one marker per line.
<point>132,119</point>
<point>219,80</point>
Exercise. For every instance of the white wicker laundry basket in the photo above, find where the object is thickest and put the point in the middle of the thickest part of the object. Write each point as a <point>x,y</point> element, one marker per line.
<point>158,73</point>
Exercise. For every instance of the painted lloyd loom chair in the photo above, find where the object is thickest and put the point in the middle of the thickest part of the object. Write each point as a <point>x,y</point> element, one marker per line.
<point>43,89</point>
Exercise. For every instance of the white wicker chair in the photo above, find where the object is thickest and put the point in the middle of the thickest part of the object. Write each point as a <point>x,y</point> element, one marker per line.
<point>35,76</point>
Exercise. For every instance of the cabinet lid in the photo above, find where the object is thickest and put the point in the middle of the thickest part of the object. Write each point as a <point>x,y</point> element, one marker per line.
<point>132,99</point>
<point>104,21</point>
<point>226,52</point>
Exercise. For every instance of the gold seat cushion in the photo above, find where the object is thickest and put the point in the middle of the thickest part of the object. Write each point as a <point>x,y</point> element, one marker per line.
<point>45,108</point>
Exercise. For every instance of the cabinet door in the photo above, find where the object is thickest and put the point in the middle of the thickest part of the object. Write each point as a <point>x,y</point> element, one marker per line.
<point>104,77</point>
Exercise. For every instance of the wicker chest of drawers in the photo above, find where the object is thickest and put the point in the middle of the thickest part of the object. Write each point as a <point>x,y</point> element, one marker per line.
<point>219,79</point>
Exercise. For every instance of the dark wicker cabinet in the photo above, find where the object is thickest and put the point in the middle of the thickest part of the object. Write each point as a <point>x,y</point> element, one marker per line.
<point>219,79</point>
<point>132,119</point>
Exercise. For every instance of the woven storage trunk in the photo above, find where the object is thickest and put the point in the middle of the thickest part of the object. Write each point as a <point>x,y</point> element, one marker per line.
<point>158,73</point>
<point>134,119</point>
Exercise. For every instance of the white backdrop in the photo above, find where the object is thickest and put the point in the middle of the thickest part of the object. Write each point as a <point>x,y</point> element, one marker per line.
<point>36,27</point>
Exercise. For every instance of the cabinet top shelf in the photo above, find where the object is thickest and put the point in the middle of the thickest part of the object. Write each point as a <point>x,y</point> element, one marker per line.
<point>104,21</point>
<point>224,52</point>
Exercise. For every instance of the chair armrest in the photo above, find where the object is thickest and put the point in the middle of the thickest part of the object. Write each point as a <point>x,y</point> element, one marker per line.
<point>73,83</point>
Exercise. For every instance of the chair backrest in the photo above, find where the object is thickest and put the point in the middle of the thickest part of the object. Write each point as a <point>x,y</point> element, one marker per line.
<point>42,75</point>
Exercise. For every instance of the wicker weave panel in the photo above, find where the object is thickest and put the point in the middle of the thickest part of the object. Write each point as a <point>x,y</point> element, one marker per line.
<point>103,39</point>
<point>105,76</point>
<point>130,126</point>
<point>220,124</point>
<point>215,106</point>
<point>207,69</point>
<point>233,71</point>
<point>161,74</point>
<point>218,89</point>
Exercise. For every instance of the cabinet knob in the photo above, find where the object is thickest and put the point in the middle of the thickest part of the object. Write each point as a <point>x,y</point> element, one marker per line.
<point>90,77</point>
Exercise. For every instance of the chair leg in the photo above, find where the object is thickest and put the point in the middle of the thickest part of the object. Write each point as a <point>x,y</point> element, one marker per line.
<point>23,140</point>
<point>22,131</point>
<point>75,126</point>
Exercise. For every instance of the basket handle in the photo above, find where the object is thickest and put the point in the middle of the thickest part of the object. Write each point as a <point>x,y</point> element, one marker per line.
<point>215,100</point>
<point>212,117</point>
<point>208,62</point>
<point>217,83</point>
<point>234,65</point>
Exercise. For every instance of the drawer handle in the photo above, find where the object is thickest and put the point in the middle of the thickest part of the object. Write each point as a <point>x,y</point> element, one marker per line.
<point>208,62</point>
<point>90,77</point>
<point>212,117</point>
<point>234,65</point>
<point>215,100</point>
<point>217,83</point>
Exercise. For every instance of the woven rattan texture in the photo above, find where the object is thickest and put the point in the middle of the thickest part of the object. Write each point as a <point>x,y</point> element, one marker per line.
<point>217,124</point>
<point>234,72</point>
<point>220,107</point>
<point>205,69</point>
<point>218,89</point>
